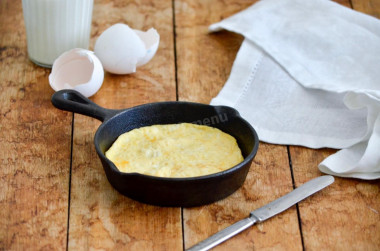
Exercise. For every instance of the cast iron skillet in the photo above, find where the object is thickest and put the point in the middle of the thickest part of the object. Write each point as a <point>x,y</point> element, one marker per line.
<point>186,192</point>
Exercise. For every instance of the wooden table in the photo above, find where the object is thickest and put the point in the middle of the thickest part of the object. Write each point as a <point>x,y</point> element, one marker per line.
<point>54,194</point>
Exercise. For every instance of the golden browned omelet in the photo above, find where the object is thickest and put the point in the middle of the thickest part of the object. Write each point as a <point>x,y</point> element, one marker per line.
<point>175,150</point>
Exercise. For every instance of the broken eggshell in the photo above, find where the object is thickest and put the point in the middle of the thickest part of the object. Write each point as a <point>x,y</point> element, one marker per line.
<point>77,69</point>
<point>122,49</point>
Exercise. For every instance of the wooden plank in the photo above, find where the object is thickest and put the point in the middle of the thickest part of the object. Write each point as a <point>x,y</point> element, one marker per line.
<point>345,216</point>
<point>370,7</point>
<point>204,59</point>
<point>101,218</point>
<point>204,62</point>
<point>346,3</point>
<point>34,146</point>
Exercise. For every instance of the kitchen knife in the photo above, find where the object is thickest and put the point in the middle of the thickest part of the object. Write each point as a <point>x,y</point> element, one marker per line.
<point>266,212</point>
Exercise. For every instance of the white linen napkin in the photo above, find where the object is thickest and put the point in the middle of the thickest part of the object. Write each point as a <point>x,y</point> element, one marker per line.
<point>308,73</point>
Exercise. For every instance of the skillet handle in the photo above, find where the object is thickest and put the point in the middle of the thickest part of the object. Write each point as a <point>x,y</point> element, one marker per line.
<point>73,101</point>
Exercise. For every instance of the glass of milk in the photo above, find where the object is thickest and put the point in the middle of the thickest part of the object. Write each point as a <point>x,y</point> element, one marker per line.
<point>56,26</point>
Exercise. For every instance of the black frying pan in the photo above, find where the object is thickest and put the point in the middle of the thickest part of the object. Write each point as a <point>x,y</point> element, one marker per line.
<point>160,191</point>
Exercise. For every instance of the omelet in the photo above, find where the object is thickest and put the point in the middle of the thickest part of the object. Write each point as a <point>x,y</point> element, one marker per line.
<point>175,150</point>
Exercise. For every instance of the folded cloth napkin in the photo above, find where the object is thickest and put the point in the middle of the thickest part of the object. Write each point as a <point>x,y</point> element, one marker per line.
<point>308,73</point>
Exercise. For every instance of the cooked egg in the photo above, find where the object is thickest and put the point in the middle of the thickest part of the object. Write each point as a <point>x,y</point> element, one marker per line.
<point>77,69</point>
<point>175,150</point>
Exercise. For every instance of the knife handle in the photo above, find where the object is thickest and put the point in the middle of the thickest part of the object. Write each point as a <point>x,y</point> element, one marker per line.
<point>223,235</point>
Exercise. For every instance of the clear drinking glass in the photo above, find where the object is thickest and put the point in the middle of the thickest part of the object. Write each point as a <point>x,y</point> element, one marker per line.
<point>56,26</point>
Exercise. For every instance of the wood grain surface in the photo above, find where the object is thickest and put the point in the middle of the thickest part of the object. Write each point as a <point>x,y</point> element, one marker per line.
<point>370,7</point>
<point>54,194</point>
<point>345,215</point>
<point>34,146</point>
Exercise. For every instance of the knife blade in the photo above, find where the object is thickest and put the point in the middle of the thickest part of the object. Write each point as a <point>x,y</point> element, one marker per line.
<point>266,212</point>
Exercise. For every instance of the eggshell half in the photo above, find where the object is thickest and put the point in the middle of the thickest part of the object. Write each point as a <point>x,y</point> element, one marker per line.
<point>151,40</point>
<point>122,49</point>
<point>77,69</point>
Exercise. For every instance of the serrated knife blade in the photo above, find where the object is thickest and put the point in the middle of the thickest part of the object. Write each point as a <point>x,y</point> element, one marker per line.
<point>266,212</point>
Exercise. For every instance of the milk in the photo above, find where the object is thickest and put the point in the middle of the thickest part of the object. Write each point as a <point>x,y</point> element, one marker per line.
<point>56,26</point>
